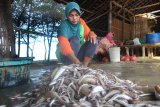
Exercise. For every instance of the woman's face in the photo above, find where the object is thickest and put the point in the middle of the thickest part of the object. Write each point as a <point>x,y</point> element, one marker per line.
<point>74,17</point>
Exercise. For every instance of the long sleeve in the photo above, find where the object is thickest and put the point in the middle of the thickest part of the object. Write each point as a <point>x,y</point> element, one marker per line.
<point>65,46</point>
<point>86,28</point>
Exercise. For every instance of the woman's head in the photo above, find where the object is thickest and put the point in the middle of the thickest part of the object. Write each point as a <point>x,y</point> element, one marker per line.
<point>72,12</point>
<point>109,36</point>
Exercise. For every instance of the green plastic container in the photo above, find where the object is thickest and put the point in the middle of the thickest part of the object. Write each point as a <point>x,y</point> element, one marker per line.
<point>14,71</point>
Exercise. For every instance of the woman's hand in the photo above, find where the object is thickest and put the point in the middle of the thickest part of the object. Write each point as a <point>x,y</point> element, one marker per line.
<point>73,58</point>
<point>92,37</point>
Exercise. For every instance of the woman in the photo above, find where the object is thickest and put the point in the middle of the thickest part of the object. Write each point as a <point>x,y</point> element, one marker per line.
<point>105,43</point>
<point>103,46</point>
<point>77,43</point>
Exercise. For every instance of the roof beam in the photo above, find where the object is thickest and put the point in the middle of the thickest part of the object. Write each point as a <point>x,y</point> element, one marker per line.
<point>100,30</point>
<point>97,17</point>
<point>83,2</point>
<point>115,3</point>
<point>99,8</point>
<point>116,14</point>
<point>125,4</point>
<point>64,2</point>
<point>149,12</point>
<point>145,6</point>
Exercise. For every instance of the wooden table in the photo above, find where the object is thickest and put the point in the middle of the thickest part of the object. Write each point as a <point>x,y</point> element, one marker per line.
<point>151,49</point>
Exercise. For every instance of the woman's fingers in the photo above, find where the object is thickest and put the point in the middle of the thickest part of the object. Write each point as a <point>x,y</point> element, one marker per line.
<point>92,37</point>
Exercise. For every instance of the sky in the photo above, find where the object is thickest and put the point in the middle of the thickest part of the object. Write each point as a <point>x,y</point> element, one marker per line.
<point>38,48</point>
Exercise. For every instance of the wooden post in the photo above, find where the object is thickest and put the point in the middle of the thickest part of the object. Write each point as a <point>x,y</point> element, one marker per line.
<point>110,17</point>
<point>143,51</point>
<point>127,50</point>
<point>123,38</point>
<point>134,27</point>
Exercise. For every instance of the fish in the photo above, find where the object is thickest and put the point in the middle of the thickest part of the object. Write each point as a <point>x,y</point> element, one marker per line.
<point>57,75</point>
<point>3,106</point>
<point>111,93</point>
<point>123,96</point>
<point>77,86</point>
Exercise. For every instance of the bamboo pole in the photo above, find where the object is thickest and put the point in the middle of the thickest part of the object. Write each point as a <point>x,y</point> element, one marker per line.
<point>97,17</point>
<point>123,21</point>
<point>125,4</point>
<point>96,12</point>
<point>148,13</point>
<point>115,3</point>
<point>116,14</point>
<point>110,17</point>
<point>142,7</point>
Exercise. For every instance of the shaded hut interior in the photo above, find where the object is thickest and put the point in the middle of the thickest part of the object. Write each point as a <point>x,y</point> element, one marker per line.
<point>119,16</point>
<point>122,17</point>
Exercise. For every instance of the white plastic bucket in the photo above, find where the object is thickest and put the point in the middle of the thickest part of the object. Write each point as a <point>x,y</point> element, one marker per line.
<point>114,54</point>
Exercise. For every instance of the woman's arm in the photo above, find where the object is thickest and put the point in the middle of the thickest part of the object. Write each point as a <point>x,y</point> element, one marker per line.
<point>73,58</point>
<point>88,34</point>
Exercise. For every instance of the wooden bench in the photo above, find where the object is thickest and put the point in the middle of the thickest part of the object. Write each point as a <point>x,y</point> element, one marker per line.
<point>150,48</point>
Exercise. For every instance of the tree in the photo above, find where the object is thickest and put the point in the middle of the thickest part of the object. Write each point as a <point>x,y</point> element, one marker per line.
<point>7,46</point>
<point>41,16</point>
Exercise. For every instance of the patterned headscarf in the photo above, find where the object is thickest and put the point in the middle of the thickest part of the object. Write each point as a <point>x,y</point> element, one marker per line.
<point>109,36</point>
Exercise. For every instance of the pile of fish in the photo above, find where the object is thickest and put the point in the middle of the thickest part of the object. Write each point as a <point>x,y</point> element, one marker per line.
<point>79,86</point>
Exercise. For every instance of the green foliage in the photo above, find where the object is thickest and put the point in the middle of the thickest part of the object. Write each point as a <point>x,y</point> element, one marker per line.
<point>40,15</point>
<point>48,8</point>
<point>34,18</point>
